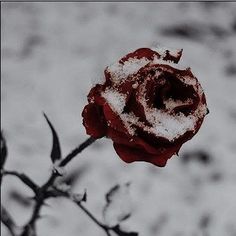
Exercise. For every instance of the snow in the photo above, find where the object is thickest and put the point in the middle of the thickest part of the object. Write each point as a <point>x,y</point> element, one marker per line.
<point>169,126</point>
<point>75,42</point>
<point>170,103</point>
<point>129,119</point>
<point>164,124</point>
<point>187,80</point>
<point>117,102</point>
<point>115,99</point>
<point>162,49</point>
<point>178,66</point>
<point>122,71</point>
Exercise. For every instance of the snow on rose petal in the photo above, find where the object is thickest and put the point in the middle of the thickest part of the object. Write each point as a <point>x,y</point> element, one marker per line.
<point>148,105</point>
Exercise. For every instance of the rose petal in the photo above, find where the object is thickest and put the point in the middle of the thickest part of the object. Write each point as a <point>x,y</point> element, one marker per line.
<point>141,53</point>
<point>173,56</point>
<point>158,147</point>
<point>94,95</point>
<point>113,119</point>
<point>119,137</point>
<point>129,155</point>
<point>94,121</point>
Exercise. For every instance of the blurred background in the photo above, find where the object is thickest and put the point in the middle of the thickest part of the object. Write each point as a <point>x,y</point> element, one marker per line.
<point>52,53</point>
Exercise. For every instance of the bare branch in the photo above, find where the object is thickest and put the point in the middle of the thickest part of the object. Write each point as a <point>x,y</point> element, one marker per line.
<point>42,193</point>
<point>48,190</point>
<point>7,220</point>
<point>95,220</point>
<point>24,178</point>
<point>88,213</point>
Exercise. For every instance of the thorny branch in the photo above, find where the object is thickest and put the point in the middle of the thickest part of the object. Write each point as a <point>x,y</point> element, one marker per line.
<point>57,192</point>
<point>115,229</point>
<point>8,221</point>
<point>49,190</point>
<point>88,213</point>
<point>42,195</point>
<point>24,178</point>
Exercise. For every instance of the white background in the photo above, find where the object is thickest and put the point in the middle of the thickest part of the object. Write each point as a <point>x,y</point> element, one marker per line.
<point>52,53</point>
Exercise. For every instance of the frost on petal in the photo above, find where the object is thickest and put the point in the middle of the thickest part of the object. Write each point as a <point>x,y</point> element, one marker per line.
<point>119,72</point>
<point>168,54</point>
<point>114,109</point>
<point>115,99</point>
<point>94,95</point>
<point>133,62</point>
<point>170,121</point>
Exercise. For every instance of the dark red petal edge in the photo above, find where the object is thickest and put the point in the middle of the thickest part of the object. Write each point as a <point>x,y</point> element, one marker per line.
<point>149,54</point>
<point>140,53</point>
<point>174,57</point>
<point>93,120</point>
<point>131,154</point>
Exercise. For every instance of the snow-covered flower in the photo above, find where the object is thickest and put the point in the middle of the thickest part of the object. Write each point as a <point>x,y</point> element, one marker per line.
<point>148,106</point>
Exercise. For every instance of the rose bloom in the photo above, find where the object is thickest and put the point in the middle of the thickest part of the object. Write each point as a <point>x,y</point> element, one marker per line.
<point>146,105</point>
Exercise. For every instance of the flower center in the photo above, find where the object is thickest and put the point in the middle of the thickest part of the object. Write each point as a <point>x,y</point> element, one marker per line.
<point>173,95</point>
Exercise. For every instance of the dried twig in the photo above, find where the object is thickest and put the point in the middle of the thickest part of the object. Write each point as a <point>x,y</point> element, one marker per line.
<point>7,220</point>
<point>42,193</point>
<point>57,192</point>
<point>24,178</point>
<point>95,220</point>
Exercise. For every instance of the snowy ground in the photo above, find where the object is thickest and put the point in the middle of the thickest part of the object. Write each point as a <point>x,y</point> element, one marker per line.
<point>51,55</point>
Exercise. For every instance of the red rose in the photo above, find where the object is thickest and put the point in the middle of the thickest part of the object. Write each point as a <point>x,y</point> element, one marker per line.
<point>146,106</point>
